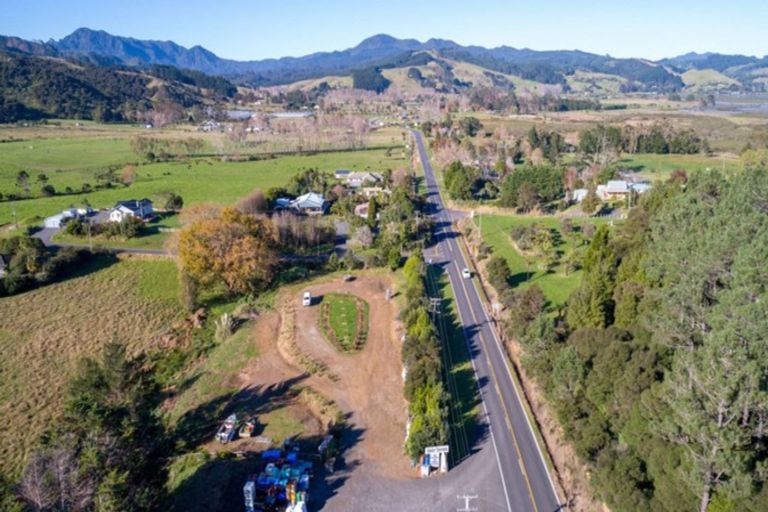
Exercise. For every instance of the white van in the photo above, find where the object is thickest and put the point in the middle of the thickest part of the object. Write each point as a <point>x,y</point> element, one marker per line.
<point>307,300</point>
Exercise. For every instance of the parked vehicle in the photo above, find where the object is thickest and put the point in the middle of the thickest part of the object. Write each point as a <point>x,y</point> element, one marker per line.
<point>307,300</point>
<point>227,430</point>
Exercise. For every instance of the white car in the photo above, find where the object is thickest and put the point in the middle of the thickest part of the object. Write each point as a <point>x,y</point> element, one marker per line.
<point>307,300</point>
<point>466,274</point>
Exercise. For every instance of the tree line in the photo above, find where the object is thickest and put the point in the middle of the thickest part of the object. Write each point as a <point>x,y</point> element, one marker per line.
<point>656,367</point>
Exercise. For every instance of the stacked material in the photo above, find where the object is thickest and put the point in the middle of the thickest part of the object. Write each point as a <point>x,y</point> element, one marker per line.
<point>283,483</point>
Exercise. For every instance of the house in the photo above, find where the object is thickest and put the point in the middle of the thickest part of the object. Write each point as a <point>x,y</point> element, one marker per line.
<point>58,220</point>
<point>615,189</point>
<point>140,209</point>
<point>618,190</point>
<point>579,194</point>
<point>3,266</point>
<point>358,179</point>
<point>310,203</point>
<point>369,192</point>
<point>341,174</point>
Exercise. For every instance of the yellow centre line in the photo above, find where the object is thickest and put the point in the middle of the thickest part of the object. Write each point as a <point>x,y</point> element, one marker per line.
<point>507,419</point>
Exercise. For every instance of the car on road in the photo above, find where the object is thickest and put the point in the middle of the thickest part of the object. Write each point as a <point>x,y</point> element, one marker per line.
<point>307,300</point>
<point>466,274</point>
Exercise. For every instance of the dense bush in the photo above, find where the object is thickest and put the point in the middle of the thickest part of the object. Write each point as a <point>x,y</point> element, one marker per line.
<point>547,181</point>
<point>31,264</point>
<point>421,356</point>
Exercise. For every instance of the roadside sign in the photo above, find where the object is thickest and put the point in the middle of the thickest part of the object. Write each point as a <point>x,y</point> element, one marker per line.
<point>434,450</point>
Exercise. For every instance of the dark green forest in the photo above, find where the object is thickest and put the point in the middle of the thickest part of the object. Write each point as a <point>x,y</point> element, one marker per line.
<point>657,367</point>
<point>33,88</point>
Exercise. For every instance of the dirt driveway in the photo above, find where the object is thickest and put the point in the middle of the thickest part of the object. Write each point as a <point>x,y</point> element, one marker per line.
<point>368,384</point>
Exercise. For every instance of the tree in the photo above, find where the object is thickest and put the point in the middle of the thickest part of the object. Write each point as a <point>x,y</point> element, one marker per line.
<point>373,212</point>
<point>708,283</point>
<point>174,202</point>
<point>527,197</point>
<point>460,180</point>
<point>592,303</point>
<point>22,181</point>
<point>591,201</point>
<point>48,190</point>
<point>128,175</point>
<point>234,249</point>
<point>498,273</point>
<point>470,125</point>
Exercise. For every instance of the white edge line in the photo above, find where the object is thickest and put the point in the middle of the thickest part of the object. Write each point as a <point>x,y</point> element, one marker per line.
<point>422,154</point>
<point>480,392</point>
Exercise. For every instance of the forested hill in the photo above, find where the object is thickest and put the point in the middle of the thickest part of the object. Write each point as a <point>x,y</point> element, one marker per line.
<point>33,87</point>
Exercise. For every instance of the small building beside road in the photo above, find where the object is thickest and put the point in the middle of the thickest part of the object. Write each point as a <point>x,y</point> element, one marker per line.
<point>57,221</point>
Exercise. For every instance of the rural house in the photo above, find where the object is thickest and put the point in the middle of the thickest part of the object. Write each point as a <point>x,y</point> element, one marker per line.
<point>310,203</point>
<point>341,174</point>
<point>140,209</point>
<point>359,179</point>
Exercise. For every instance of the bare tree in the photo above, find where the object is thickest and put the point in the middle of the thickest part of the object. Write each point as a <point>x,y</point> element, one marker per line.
<point>253,203</point>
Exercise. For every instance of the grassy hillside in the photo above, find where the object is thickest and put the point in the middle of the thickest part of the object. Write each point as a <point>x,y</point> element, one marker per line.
<point>707,79</point>
<point>44,332</point>
<point>585,82</point>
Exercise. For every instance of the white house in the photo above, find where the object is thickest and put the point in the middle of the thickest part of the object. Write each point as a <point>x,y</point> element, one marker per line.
<point>310,203</point>
<point>141,209</point>
<point>369,192</point>
<point>579,194</point>
<point>358,179</point>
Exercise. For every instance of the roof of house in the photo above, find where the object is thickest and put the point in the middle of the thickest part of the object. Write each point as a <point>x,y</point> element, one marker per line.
<point>641,187</point>
<point>309,200</point>
<point>617,187</point>
<point>364,176</point>
<point>361,210</point>
<point>342,173</point>
<point>134,204</point>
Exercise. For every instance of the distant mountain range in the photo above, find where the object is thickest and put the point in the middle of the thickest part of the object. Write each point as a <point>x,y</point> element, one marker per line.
<point>573,70</point>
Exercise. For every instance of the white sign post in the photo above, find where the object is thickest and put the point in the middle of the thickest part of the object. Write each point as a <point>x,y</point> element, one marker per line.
<point>438,457</point>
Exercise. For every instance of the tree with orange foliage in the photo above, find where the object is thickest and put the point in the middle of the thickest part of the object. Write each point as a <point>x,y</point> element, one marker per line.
<point>233,248</point>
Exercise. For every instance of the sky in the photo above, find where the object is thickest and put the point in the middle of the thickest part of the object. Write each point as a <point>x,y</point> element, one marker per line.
<point>257,29</point>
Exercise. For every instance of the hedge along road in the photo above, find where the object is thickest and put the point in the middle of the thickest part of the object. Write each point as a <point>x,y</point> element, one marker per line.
<point>526,484</point>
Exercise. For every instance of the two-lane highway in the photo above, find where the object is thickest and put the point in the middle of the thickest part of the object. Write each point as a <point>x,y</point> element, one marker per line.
<point>526,482</point>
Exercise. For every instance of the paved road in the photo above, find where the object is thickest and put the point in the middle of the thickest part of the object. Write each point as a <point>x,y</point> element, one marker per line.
<point>526,483</point>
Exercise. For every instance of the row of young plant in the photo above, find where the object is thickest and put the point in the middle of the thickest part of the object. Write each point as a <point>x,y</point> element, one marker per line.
<point>427,398</point>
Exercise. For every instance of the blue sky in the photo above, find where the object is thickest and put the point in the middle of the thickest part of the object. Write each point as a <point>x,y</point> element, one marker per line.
<point>256,29</point>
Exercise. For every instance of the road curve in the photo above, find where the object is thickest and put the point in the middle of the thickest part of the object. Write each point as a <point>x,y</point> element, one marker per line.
<point>526,482</point>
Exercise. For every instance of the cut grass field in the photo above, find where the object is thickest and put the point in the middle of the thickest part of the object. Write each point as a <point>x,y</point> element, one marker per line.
<point>344,321</point>
<point>197,181</point>
<point>556,285</point>
<point>44,332</point>
<point>659,167</point>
